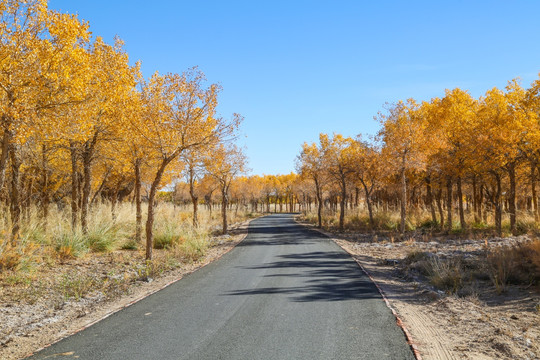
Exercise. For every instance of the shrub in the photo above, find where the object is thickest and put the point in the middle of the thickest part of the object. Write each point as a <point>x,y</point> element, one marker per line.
<point>518,264</point>
<point>534,254</point>
<point>10,258</point>
<point>129,245</point>
<point>76,286</point>
<point>102,237</point>
<point>357,222</point>
<point>385,221</point>
<point>415,256</point>
<point>70,245</point>
<point>429,224</point>
<point>479,225</point>
<point>446,275</point>
<point>167,235</point>
<point>500,264</point>
<point>194,247</point>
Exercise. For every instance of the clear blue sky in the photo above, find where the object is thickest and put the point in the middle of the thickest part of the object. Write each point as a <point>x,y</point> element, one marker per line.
<point>294,69</point>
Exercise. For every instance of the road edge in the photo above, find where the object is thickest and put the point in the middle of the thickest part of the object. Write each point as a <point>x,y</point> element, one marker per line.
<point>145,295</point>
<point>399,322</point>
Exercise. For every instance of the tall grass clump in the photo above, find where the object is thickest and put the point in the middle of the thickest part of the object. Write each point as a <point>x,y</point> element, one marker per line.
<point>33,232</point>
<point>167,234</point>
<point>446,274</point>
<point>103,237</point>
<point>68,244</point>
<point>195,245</point>
<point>174,231</point>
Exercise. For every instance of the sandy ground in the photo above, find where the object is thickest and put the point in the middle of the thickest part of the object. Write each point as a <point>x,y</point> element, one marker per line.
<point>32,317</point>
<point>479,325</point>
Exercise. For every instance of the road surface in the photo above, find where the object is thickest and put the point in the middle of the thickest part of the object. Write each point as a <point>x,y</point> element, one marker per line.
<point>285,292</point>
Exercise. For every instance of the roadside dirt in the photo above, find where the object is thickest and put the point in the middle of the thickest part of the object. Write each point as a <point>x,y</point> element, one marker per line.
<point>34,315</point>
<point>479,325</point>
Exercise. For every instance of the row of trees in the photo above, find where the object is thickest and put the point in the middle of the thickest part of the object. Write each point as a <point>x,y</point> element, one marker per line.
<point>266,193</point>
<point>450,155</point>
<point>78,121</point>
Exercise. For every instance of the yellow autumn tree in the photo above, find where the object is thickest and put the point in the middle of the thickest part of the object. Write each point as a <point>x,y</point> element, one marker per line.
<point>338,156</point>
<point>310,164</point>
<point>227,162</point>
<point>179,113</point>
<point>404,144</point>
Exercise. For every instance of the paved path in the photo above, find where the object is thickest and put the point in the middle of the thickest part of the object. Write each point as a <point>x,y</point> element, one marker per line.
<point>285,292</point>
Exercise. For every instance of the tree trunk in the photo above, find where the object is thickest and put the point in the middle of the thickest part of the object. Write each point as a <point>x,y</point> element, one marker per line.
<point>87,179</point>
<point>449,202</point>
<point>151,207</point>
<point>224,203</point>
<point>45,199</point>
<point>80,181</point>
<point>533,192</point>
<point>460,204</point>
<point>475,201</point>
<point>439,204</point>
<point>138,215</point>
<point>342,204</point>
<point>27,199</point>
<point>512,196</point>
<point>194,197</point>
<point>4,155</point>
<point>319,202</point>
<point>367,193</point>
<point>498,205</point>
<point>429,200</point>
<point>101,186</point>
<point>74,187</point>
<point>15,205</point>
<point>482,209</point>
<point>403,209</point>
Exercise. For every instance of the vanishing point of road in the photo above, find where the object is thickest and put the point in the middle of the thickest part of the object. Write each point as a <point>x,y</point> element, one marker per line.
<point>285,292</point>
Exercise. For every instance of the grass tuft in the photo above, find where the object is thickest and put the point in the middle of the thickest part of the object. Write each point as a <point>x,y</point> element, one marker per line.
<point>70,245</point>
<point>167,235</point>
<point>103,237</point>
<point>194,247</point>
<point>446,274</point>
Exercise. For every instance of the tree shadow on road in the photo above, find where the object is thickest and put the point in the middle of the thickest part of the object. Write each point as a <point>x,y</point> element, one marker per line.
<point>315,276</point>
<point>282,235</point>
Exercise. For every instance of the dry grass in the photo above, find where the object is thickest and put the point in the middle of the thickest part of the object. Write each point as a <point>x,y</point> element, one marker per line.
<point>448,275</point>
<point>518,265</point>
<point>56,243</point>
<point>419,220</point>
<point>502,266</point>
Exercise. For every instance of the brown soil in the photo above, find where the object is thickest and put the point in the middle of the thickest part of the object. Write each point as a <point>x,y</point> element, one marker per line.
<point>67,297</point>
<point>479,324</point>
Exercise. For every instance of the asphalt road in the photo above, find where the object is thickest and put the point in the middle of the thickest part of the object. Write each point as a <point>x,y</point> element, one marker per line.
<point>285,292</point>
